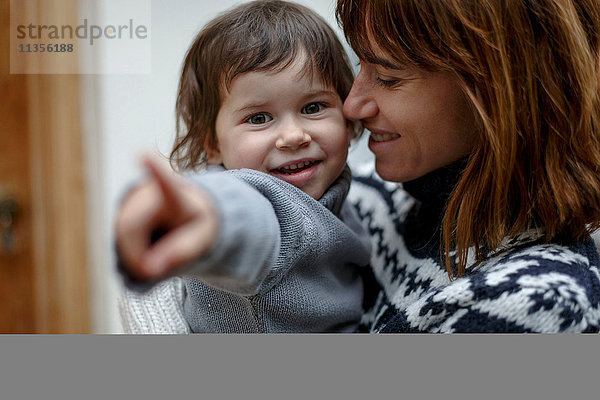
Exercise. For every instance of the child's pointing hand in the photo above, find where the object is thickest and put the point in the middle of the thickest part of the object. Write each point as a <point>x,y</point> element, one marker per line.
<point>171,206</point>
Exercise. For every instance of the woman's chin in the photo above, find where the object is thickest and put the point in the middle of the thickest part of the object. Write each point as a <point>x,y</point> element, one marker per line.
<point>392,173</point>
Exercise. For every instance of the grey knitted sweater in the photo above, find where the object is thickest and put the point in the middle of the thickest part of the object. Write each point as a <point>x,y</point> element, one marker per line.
<point>283,261</point>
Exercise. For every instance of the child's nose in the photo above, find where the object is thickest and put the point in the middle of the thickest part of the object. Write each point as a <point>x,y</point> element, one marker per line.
<point>292,136</point>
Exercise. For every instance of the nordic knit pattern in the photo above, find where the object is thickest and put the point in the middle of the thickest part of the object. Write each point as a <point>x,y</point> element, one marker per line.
<point>523,286</point>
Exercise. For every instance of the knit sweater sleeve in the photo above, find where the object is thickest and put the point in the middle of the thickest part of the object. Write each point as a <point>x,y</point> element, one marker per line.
<point>248,242</point>
<point>263,224</point>
<point>157,311</point>
<point>266,225</point>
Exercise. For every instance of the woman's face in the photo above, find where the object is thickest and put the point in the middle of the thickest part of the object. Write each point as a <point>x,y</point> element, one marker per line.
<point>419,120</point>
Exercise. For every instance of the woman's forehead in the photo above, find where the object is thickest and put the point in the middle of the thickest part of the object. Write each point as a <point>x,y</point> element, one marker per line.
<point>371,50</point>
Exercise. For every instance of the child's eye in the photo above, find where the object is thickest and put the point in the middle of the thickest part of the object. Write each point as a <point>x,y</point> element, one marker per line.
<point>312,108</point>
<point>258,119</point>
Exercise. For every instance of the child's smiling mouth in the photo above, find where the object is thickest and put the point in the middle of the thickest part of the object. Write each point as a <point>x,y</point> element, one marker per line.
<point>295,167</point>
<point>297,172</point>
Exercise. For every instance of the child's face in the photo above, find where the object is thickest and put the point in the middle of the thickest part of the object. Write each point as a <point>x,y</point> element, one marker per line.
<point>284,125</point>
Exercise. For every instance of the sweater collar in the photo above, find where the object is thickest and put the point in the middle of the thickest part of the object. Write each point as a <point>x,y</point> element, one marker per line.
<point>434,188</point>
<point>424,220</point>
<point>334,196</point>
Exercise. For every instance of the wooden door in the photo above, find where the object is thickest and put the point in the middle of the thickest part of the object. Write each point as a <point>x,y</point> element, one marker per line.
<point>43,280</point>
<point>17,293</point>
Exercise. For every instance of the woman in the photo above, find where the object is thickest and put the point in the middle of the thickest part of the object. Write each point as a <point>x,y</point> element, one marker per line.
<point>489,113</point>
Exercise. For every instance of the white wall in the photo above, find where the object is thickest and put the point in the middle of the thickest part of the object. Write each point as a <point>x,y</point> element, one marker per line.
<point>124,115</point>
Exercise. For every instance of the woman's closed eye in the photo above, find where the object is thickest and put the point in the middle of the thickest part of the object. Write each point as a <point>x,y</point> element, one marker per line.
<point>313,108</point>
<point>259,119</point>
<point>388,82</point>
<point>391,78</point>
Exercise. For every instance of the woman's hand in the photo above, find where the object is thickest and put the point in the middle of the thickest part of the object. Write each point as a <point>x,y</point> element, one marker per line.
<point>166,205</point>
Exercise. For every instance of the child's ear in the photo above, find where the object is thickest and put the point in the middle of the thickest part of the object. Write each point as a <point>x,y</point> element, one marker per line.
<point>213,153</point>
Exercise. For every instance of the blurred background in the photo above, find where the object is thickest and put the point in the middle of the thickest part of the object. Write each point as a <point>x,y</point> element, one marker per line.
<point>69,148</point>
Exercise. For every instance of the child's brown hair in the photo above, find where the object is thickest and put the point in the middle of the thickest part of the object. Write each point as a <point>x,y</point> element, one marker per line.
<point>255,36</point>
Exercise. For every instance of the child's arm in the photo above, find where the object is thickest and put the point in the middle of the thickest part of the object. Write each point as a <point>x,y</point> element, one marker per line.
<point>213,226</point>
<point>168,204</point>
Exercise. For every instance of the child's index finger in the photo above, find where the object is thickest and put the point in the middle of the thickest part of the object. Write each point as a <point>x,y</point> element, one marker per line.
<point>167,182</point>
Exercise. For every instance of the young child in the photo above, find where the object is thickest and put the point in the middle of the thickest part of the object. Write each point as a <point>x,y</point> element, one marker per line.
<point>261,247</point>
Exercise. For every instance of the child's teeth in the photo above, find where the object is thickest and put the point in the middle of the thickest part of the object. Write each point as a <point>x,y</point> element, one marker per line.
<point>301,164</point>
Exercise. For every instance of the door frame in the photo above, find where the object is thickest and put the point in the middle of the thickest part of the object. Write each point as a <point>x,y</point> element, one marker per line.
<point>58,195</point>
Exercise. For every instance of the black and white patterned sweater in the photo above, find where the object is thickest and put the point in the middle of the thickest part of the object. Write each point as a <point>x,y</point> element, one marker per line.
<point>523,286</point>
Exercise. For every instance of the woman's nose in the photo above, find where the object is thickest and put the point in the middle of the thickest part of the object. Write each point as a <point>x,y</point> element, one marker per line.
<point>360,103</point>
<point>292,136</point>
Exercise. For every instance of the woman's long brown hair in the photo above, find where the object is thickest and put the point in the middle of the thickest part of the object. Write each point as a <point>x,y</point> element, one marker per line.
<point>531,71</point>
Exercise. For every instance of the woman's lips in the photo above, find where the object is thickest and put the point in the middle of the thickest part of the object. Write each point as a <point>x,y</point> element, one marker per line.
<point>379,140</point>
<point>384,136</point>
